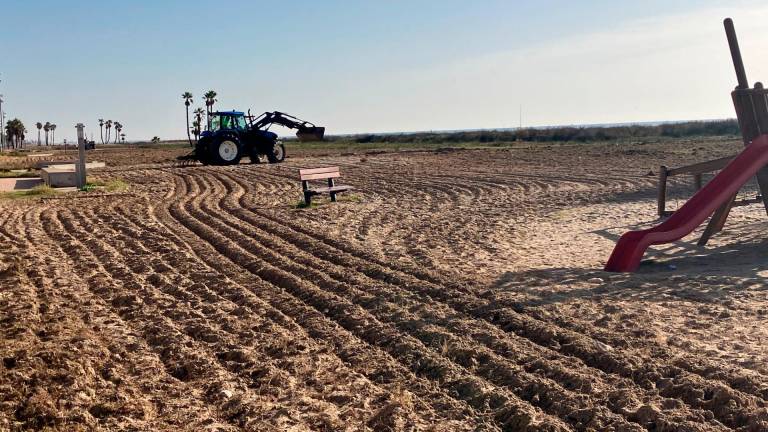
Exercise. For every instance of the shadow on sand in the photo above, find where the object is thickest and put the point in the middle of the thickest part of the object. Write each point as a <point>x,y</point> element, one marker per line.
<point>680,270</point>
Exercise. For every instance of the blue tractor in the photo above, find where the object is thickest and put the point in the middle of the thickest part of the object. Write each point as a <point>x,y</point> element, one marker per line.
<point>233,134</point>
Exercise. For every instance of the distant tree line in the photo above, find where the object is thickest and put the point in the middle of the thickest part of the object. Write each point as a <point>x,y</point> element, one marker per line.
<point>557,134</point>
<point>15,132</point>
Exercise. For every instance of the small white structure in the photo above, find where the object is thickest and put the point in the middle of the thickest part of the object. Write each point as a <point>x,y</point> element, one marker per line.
<point>68,173</point>
<point>57,177</point>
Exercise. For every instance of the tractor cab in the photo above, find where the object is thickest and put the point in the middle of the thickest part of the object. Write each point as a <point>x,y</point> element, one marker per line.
<point>226,120</point>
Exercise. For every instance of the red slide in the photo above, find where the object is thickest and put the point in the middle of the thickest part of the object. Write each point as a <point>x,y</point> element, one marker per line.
<point>629,250</point>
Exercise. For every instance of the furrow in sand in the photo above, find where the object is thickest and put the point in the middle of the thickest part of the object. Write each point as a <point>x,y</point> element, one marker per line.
<point>155,317</point>
<point>97,350</point>
<point>672,382</point>
<point>590,381</point>
<point>280,349</point>
<point>507,408</point>
<point>375,364</point>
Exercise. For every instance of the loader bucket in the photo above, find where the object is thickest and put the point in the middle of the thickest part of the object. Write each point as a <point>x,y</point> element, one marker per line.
<point>315,133</point>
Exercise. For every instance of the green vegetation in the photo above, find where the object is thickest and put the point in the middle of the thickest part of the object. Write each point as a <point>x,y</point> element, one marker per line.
<point>380,147</point>
<point>348,197</point>
<point>116,185</point>
<point>89,187</point>
<point>111,185</point>
<point>35,192</point>
<point>302,205</point>
<point>501,138</point>
<point>163,145</point>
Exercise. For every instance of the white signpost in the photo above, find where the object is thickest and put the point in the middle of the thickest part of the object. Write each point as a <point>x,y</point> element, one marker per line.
<point>80,167</point>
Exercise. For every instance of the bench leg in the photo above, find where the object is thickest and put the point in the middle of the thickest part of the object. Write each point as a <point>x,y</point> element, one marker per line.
<point>307,198</point>
<point>333,196</point>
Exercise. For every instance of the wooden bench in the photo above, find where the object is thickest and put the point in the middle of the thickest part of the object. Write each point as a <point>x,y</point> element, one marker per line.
<point>328,173</point>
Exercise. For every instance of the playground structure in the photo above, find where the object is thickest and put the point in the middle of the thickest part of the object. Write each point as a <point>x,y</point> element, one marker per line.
<point>719,195</point>
<point>697,171</point>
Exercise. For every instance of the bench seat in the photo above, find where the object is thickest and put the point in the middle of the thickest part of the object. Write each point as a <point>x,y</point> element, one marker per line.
<point>327,173</point>
<point>322,190</point>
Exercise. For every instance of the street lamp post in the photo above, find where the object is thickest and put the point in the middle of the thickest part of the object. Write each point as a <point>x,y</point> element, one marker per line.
<point>80,167</point>
<point>2,124</point>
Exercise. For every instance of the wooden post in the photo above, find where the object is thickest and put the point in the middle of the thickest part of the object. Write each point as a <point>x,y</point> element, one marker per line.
<point>697,181</point>
<point>80,167</point>
<point>333,194</point>
<point>738,63</point>
<point>760,109</point>
<point>662,200</point>
<point>717,222</point>
<point>307,195</point>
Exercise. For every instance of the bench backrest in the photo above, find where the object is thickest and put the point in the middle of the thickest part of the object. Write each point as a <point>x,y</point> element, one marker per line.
<point>319,173</point>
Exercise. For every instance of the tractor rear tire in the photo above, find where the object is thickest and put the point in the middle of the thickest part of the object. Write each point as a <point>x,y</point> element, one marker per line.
<point>277,154</point>
<point>226,151</point>
<point>256,157</point>
<point>201,153</point>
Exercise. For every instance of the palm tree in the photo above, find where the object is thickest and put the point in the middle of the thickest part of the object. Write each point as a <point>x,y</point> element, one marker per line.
<point>108,126</point>
<point>101,129</point>
<point>196,129</point>
<point>199,120</point>
<point>187,96</point>
<point>210,99</point>
<point>39,126</point>
<point>118,128</point>
<point>14,130</point>
<point>10,127</point>
<point>53,134</point>
<point>47,128</point>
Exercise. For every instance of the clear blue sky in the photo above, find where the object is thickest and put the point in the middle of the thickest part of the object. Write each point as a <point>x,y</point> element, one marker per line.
<point>356,66</point>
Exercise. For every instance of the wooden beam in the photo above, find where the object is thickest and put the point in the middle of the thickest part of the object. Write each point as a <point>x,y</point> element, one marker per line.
<point>697,181</point>
<point>717,222</point>
<point>760,108</point>
<point>318,170</point>
<point>321,176</point>
<point>662,199</point>
<point>702,167</point>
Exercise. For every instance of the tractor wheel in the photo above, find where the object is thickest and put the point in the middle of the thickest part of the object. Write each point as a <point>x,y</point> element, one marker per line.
<point>226,151</point>
<point>201,154</point>
<point>277,154</point>
<point>256,157</point>
<point>203,158</point>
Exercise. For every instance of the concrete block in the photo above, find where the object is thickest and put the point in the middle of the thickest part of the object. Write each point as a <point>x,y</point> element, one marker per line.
<point>22,183</point>
<point>70,165</point>
<point>55,177</point>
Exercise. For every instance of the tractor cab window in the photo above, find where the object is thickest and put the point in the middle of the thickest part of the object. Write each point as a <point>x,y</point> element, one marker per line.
<point>215,123</point>
<point>226,122</point>
<point>240,123</point>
